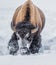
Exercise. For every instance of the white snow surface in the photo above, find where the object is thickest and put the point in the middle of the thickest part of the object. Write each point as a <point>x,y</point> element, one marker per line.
<point>47,54</point>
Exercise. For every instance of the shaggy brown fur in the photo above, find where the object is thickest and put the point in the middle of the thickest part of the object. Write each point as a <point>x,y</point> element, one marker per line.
<point>37,17</point>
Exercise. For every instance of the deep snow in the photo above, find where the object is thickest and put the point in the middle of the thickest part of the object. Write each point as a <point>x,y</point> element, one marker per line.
<point>47,54</point>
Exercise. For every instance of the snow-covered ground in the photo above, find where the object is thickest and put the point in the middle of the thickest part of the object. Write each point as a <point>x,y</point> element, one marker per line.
<point>47,54</point>
<point>45,59</point>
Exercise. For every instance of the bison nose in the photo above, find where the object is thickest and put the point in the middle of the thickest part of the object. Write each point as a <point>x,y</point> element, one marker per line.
<point>23,50</point>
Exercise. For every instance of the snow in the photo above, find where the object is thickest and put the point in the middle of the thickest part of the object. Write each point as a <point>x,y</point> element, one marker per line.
<point>45,59</point>
<point>47,54</point>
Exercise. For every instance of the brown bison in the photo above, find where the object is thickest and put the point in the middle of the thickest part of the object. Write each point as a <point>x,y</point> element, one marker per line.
<point>27,23</point>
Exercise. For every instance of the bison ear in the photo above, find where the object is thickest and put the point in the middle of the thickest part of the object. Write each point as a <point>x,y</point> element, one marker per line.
<point>34,30</point>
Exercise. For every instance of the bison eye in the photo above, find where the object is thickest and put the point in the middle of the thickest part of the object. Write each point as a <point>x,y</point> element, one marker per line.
<point>29,39</point>
<point>18,38</point>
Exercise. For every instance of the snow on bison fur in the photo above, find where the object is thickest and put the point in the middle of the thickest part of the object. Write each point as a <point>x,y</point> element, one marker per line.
<point>27,23</point>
